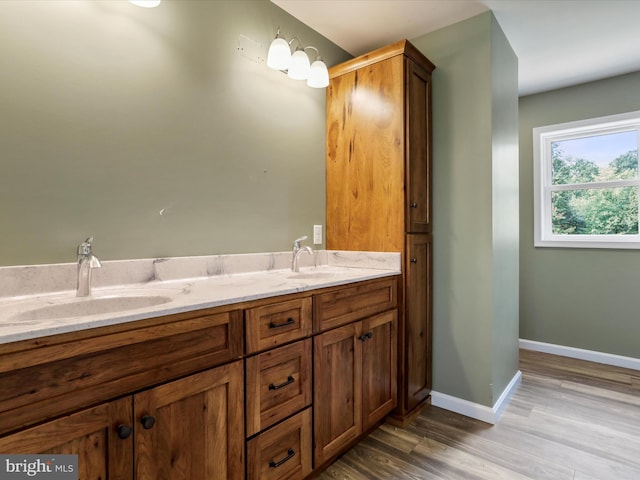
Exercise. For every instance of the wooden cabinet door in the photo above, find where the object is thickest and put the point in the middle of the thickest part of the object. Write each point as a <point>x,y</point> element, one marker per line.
<point>92,434</point>
<point>418,159</point>
<point>379,370</point>
<point>192,428</point>
<point>417,320</point>
<point>337,408</point>
<point>365,158</point>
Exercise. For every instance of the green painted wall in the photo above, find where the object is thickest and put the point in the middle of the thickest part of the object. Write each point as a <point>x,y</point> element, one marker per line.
<point>505,219</point>
<point>150,130</point>
<point>475,208</point>
<point>583,298</point>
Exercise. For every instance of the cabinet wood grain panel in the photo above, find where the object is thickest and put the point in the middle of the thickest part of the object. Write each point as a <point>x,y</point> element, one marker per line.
<point>92,340</point>
<point>91,434</point>
<point>346,304</point>
<point>417,333</point>
<point>379,367</point>
<point>278,384</point>
<point>275,324</point>
<point>418,141</point>
<point>337,391</point>
<point>282,452</point>
<point>130,361</point>
<point>365,159</point>
<point>198,427</point>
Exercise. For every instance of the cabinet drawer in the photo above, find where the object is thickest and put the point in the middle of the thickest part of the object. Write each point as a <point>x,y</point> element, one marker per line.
<point>277,323</point>
<point>283,451</point>
<point>278,384</point>
<point>344,305</point>
<point>50,380</point>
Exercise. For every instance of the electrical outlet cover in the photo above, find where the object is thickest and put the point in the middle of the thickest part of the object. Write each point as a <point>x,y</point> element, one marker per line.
<point>317,234</point>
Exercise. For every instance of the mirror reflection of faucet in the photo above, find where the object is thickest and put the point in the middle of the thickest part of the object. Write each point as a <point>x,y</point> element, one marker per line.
<point>87,261</point>
<point>299,250</point>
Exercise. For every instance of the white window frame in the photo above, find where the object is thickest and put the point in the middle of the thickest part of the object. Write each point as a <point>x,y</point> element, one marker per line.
<point>542,139</point>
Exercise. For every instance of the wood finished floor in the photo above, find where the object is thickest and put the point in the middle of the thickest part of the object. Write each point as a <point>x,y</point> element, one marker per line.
<point>569,420</point>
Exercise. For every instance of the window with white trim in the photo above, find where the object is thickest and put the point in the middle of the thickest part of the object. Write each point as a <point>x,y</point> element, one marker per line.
<point>586,183</point>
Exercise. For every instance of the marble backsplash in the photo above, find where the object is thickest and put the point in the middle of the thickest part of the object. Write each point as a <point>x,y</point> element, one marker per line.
<point>28,280</point>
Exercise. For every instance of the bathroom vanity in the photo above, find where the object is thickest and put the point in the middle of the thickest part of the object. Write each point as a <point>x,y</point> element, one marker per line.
<point>259,374</point>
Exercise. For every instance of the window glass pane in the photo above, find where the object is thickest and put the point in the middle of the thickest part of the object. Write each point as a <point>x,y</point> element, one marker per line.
<point>595,158</point>
<point>598,211</point>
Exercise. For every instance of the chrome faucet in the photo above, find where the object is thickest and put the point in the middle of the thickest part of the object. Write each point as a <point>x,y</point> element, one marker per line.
<point>87,261</point>
<point>297,251</point>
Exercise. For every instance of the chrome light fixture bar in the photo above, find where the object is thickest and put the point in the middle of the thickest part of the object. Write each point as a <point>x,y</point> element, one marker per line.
<point>297,65</point>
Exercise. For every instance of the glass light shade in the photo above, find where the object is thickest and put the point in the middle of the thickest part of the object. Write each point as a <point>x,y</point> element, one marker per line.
<point>299,68</point>
<point>279,56</point>
<point>146,3</point>
<point>319,75</point>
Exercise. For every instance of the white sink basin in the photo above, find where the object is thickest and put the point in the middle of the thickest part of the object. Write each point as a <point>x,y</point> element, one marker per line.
<point>80,307</point>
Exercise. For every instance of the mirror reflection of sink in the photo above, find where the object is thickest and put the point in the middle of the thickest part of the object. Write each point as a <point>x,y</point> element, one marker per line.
<point>91,306</point>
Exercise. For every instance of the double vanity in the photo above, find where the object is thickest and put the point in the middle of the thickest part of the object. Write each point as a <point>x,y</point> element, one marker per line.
<point>230,366</point>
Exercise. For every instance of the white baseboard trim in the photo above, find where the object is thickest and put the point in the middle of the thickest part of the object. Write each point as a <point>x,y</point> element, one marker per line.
<point>476,410</point>
<point>507,393</point>
<point>579,353</point>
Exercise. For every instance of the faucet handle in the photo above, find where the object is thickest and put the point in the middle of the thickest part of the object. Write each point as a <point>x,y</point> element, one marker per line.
<point>85,247</point>
<point>296,242</point>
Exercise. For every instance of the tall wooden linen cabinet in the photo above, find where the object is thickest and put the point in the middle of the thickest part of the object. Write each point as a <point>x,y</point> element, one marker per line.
<point>379,190</point>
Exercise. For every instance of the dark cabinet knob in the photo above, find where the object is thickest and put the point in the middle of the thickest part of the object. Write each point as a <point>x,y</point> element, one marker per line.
<point>147,422</point>
<point>364,336</point>
<point>414,260</point>
<point>413,205</point>
<point>124,431</point>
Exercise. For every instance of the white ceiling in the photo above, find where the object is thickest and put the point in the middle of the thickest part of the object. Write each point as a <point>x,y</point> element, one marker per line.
<point>558,42</point>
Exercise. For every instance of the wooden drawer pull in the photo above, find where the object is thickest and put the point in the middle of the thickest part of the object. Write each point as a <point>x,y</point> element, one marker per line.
<point>290,455</point>
<point>290,321</point>
<point>289,381</point>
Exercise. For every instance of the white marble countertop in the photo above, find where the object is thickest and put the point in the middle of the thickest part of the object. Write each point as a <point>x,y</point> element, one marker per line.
<point>181,285</point>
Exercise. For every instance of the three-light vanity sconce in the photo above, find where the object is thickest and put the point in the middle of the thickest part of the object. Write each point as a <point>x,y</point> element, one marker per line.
<point>296,64</point>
